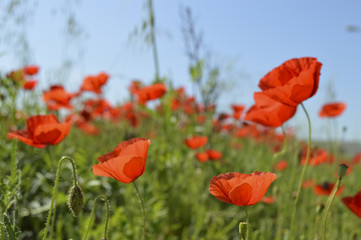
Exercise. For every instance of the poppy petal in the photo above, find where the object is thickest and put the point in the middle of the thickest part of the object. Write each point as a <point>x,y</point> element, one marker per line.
<point>292,82</point>
<point>260,182</point>
<point>51,133</point>
<point>115,167</point>
<point>241,194</point>
<point>269,112</point>
<point>221,185</point>
<point>134,167</point>
<point>100,170</point>
<point>135,146</point>
<point>22,135</point>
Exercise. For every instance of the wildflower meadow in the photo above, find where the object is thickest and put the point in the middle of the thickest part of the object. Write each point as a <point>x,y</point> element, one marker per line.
<point>167,164</point>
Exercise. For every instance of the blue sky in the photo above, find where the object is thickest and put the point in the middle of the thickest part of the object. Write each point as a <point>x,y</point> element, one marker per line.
<point>255,36</point>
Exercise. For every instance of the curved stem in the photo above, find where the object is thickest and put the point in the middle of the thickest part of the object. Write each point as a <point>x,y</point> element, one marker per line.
<point>328,205</point>
<point>302,173</point>
<point>92,216</point>
<point>284,145</point>
<point>143,209</point>
<point>55,191</point>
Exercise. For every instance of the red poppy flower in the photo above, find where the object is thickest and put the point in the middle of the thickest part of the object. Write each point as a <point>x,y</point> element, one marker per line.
<point>57,98</point>
<point>241,189</point>
<point>308,183</point>
<point>29,85</point>
<point>357,158</point>
<point>31,70</point>
<point>222,116</point>
<point>354,203</point>
<point>326,189</point>
<point>202,157</point>
<point>317,156</point>
<point>268,200</point>
<point>238,107</point>
<point>269,112</point>
<point>88,128</point>
<point>214,154</point>
<point>126,162</point>
<point>152,92</point>
<point>238,110</point>
<point>248,130</point>
<point>98,107</point>
<point>42,130</point>
<point>332,109</point>
<point>94,83</point>
<point>135,86</point>
<point>280,166</point>
<point>227,127</point>
<point>84,125</point>
<point>196,142</point>
<point>292,82</point>
<point>201,119</point>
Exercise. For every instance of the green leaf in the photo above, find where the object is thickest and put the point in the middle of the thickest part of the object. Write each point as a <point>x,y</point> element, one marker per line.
<point>196,71</point>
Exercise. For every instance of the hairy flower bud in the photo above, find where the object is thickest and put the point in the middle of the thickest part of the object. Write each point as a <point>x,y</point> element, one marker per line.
<point>75,200</point>
<point>243,228</point>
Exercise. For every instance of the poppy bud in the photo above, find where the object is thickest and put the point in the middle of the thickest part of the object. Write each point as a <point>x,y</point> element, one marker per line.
<point>342,170</point>
<point>243,228</point>
<point>75,200</point>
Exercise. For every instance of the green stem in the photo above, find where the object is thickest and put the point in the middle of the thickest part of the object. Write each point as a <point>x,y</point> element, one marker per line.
<point>13,94</point>
<point>92,216</point>
<point>247,223</point>
<point>55,190</point>
<point>328,206</point>
<point>52,220</point>
<point>14,167</point>
<point>143,209</point>
<point>302,173</point>
<point>153,40</point>
<point>244,227</point>
<point>284,145</point>
<point>2,232</point>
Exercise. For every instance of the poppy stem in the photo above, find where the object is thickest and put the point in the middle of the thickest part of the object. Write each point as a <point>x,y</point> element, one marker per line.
<point>2,232</point>
<point>284,145</point>
<point>247,228</point>
<point>92,216</point>
<point>328,205</point>
<point>244,227</point>
<point>55,190</point>
<point>302,173</point>
<point>143,209</point>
